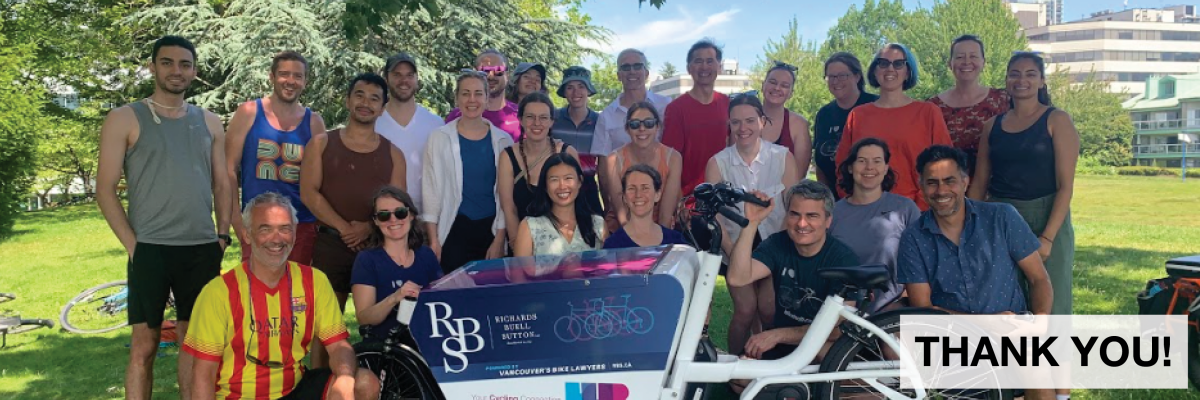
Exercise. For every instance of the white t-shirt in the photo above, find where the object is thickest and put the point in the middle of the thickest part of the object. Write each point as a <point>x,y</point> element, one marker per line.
<point>411,141</point>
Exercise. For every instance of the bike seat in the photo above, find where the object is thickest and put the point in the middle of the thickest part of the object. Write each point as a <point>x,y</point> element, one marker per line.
<point>862,276</point>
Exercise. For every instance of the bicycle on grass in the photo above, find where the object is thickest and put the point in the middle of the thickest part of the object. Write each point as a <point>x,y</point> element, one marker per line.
<point>100,309</point>
<point>12,323</point>
<point>862,362</point>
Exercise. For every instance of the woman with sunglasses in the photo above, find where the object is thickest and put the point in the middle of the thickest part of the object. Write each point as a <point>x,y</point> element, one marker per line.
<point>458,181</point>
<point>643,191</point>
<point>791,131</point>
<point>752,164</point>
<point>843,76</point>
<point>870,220</point>
<point>398,264</point>
<point>908,126</point>
<point>557,223</point>
<point>968,104</point>
<point>516,173</point>
<point>643,125</point>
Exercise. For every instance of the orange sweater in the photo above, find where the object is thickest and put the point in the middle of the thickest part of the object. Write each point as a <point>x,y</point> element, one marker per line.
<point>908,131</point>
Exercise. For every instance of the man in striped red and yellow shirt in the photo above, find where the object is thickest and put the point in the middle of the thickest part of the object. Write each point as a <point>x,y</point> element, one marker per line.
<point>253,324</point>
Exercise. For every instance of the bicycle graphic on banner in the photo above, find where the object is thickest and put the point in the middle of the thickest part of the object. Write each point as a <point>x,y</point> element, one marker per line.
<point>600,320</point>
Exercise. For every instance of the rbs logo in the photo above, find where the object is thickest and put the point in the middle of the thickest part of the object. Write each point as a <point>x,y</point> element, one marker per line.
<point>596,391</point>
<point>463,335</point>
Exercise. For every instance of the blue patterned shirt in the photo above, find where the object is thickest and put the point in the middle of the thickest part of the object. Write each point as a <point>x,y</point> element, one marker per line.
<point>979,275</point>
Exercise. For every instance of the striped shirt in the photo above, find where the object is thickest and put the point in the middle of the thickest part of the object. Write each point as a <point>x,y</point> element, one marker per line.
<point>224,330</point>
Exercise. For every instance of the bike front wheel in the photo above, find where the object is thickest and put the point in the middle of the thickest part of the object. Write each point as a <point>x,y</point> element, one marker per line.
<point>401,375</point>
<point>868,347</point>
<point>98,309</point>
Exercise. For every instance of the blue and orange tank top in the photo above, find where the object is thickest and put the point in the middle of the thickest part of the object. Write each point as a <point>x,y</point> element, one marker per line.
<point>271,160</point>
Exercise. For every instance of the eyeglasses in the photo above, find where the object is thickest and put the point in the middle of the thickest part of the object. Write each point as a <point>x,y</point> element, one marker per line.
<point>385,216</point>
<point>493,70</point>
<point>789,67</point>
<point>838,77</point>
<point>632,67</point>
<point>539,119</point>
<point>254,328</point>
<point>648,123</point>
<point>896,64</point>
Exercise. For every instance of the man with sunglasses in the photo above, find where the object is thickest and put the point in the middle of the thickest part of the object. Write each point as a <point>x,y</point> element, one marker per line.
<point>501,112</point>
<point>254,323</point>
<point>633,71</point>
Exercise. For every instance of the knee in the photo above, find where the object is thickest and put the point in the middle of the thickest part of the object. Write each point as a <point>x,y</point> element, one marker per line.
<point>366,385</point>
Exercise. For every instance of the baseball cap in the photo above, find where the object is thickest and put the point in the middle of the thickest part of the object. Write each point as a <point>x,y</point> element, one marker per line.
<point>399,58</point>
<point>576,73</point>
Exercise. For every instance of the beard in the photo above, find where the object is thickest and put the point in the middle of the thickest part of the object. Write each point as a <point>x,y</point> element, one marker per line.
<point>166,86</point>
<point>397,96</point>
<point>259,253</point>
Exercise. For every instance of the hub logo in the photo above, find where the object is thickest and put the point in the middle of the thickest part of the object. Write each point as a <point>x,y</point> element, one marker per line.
<point>463,335</point>
<point>596,391</point>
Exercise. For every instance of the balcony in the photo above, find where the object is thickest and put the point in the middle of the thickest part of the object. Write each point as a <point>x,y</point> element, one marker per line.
<point>1165,150</point>
<point>1167,126</point>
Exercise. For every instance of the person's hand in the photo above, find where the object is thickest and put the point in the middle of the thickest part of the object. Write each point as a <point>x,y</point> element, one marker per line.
<point>756,213</point>
<point>1044,250</point>
<point>357,234</point>
<point>409,289</point>
<point>437,250</point>
<point>129,250</point>
<point>342,388</point>
<point>760,343</point>
<point>496,250</point>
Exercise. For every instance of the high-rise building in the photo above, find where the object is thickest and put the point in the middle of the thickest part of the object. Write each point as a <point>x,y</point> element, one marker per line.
<point>1123,47</point>
<point>1035,13</point>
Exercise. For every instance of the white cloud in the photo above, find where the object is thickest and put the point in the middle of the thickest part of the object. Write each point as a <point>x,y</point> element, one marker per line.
<point>687,28</point>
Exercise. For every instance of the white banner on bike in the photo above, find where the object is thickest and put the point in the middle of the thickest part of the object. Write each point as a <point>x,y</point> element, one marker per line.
<point>1045,352</point>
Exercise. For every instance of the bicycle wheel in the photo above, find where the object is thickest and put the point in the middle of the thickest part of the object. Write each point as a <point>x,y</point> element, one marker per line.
<point>1193,349</point>
<point>401,375</point>
<point>848,349</point>
<point>568,328</point>
<point>639,320</point>
<point>29,325</point>
<point>6,297</point>
<point>98,309</point>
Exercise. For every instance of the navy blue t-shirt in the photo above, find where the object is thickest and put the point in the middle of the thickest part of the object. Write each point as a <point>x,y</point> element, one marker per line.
<point>620,239</point>
<point>375,268</point>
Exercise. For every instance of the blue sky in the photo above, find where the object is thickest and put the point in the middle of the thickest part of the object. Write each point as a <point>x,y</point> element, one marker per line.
<point>743,27</point>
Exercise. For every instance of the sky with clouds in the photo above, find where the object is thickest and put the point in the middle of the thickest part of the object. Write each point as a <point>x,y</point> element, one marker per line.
<point>743,27</point>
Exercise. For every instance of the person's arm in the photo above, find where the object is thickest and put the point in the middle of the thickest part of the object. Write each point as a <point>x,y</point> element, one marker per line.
<point>431,195</point>
<point>671,190</point>
<point>983,164</point>
<point>310,184</point>
<point>572,152</point>
<point>600,141</point>
<point>504,189</point>
<point>843,149</point>
<point>204,378</point>
<point>1066,154</point>
<point>235,140</point>
<point>610,179</point>
<point>1041,293</point>
<point>220,184</point>
<point>114,141</point>
<point>672,130</point>
<point>712,174</point>
<point>523,245</point>
<point>761,342</point>
<point>499,225</point>
<point>343,363</point>
<point>801,143</point>
<point>744,269</point>
<point>207,339</point>
<point>399,169</point>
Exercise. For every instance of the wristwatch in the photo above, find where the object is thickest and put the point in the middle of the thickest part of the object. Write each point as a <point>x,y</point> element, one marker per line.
<point>224,236</point>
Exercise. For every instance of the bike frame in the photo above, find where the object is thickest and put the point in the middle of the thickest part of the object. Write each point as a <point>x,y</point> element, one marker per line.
<point>793,368</point>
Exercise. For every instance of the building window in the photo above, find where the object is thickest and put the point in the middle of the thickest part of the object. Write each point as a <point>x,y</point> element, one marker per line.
<point>1125,35</point>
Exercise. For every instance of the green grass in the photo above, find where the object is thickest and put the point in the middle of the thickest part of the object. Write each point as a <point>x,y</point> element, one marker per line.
<point>1126,227</point>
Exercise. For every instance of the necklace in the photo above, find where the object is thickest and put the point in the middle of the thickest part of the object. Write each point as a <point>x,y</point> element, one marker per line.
<point>151,104</point>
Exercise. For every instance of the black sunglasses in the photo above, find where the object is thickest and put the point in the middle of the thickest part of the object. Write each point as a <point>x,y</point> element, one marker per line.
<point>789,67</point>
<point>268,364</point>
<point>649,123</point>
<point>384,216</point>
<point>896,64</point>
<point>632,67</point>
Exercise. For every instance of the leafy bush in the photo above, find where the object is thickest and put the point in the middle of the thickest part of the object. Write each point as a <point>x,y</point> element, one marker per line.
<point>1090,165</point>
<point>1156,171</point>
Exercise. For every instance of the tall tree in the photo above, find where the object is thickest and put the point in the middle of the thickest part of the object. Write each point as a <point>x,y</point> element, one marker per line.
<point>1105,128</point>
<point>668,70</point>
<point>604,78</point>
<point>862,31</point>
<point>930,32</point>
<point>20,118</point>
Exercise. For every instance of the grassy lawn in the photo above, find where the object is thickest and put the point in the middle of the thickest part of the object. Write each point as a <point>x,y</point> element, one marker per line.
<point>1126,228</point>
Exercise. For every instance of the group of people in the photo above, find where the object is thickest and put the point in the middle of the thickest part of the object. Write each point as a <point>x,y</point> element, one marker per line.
<point>399,196</point>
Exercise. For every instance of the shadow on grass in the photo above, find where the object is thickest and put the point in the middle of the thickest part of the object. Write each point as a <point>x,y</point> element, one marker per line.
<point>67,366</point>
<point>1107,279</point>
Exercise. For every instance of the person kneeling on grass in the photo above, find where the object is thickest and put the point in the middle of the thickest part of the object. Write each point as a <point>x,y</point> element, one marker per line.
<point>791,260</point>
<point>253,324</point>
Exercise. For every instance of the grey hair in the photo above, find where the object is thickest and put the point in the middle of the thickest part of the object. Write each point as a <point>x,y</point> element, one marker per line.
<point>809,189</point>
<point>634,51</point>
<point>268,199</point>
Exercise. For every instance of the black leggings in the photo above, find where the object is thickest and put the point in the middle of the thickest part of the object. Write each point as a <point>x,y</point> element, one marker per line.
<point>468,241</point>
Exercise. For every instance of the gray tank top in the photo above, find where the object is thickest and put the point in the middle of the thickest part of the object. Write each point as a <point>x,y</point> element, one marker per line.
<point>169,176</point>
